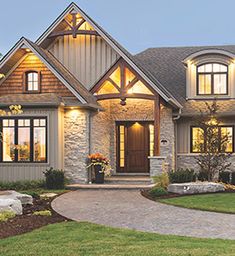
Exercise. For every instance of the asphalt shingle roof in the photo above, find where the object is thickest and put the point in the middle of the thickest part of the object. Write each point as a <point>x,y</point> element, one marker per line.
<point>166,65</point>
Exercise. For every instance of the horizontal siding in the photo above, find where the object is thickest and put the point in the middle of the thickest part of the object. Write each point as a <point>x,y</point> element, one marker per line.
<point>14,84</point>
<point>87,57</point>
<point>30,171</point>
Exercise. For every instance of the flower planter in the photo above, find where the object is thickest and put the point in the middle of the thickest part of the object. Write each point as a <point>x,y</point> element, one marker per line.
<point>99,174</point>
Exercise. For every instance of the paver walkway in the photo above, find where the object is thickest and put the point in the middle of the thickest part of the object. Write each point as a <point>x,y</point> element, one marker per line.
<point>129,209</point>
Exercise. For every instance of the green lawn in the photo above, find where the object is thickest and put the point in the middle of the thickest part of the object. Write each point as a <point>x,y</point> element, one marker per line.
<point>71,238</point>
<point>219,202</point>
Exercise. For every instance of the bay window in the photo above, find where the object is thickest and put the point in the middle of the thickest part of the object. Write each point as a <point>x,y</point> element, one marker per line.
<point>23,139</point>
<point>212,79</point>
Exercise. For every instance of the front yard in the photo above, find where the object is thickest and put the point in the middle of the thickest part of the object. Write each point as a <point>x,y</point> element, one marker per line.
<point>71,238</point>
<point>218,202</point>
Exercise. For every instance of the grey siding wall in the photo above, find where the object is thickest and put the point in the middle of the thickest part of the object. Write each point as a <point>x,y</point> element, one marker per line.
<point>31,171</point>
<point>87,57</point>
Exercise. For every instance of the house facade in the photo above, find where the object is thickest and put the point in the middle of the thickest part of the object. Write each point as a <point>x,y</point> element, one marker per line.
<point>83,93</point>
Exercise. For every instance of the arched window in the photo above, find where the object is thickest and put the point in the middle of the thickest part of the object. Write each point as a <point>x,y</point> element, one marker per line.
<point>212,79</point>
<point>32,81</point>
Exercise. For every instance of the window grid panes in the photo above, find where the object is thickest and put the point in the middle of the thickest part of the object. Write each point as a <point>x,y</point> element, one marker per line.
<point>24,140</point>
<point>32,81</point>
<point>212,79</point>
<point>198,142</point>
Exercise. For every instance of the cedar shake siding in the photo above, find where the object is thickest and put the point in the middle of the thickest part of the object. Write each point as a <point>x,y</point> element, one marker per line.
<point>14,84</point>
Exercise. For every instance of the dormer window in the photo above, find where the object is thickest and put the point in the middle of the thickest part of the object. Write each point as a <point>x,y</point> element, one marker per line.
<point>32,82</point>
<point>212,79</point>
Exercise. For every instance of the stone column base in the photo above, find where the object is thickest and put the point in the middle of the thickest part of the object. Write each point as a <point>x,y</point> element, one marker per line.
<point>158,165</point>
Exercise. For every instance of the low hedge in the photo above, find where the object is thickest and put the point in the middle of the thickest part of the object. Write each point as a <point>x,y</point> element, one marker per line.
<point>55,179</point>
<point>182,176</point>
<point>224,177</point>
<point>22,185</point>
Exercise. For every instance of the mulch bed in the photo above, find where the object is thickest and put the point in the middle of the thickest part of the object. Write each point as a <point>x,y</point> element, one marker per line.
<point>27,221</point>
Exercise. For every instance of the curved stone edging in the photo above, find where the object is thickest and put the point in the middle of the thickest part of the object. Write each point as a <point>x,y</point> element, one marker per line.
<point>129,209</point>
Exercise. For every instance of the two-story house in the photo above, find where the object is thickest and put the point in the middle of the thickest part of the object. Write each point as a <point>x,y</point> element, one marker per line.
<point>82,93</point>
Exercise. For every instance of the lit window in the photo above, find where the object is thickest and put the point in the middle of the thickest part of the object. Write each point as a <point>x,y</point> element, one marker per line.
<point>23,139</point>
<point>32,81</point>
<point>8,140</point>
<point>212,79</point>
<point>227,132</point>
<point>198,139</point>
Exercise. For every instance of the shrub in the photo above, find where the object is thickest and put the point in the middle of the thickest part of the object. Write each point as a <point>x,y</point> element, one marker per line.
<point>22,185</point>
<point>161,180</point>
<point>43,213</point>
<point>233,178</point>
<point>182,176</point>
<point>158,191</point>
<point>33,194</point>
<point>6,215</point>
<point>55,179</point>
<point>224,177</point>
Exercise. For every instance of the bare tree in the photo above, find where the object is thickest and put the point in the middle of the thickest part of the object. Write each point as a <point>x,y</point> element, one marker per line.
<point>213,157</point>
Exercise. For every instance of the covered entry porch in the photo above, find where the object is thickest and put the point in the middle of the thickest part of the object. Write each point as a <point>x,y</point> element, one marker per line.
<point>130,128</point>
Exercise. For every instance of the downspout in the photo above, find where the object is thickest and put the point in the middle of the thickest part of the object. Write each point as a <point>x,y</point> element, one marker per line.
<point>176,131</point>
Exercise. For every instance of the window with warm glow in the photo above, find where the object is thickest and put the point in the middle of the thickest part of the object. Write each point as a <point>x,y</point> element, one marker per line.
<point>123,80</point>
<point>151,140</point>
<point>198,137</point>
<point>197,140</point>
<point>32,81</point>
<point>212,78</point>
<point>23,139</point>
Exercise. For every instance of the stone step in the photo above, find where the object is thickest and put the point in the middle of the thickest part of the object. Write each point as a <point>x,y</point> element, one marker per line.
<point>141,180</point>
<point>109,186</point>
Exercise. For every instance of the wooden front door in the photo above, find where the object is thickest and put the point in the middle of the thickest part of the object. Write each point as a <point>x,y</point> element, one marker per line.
<point>133,147</point>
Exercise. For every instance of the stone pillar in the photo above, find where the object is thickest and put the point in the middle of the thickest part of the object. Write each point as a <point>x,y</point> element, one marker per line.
<point>158,165</point>
<point>76,143</point>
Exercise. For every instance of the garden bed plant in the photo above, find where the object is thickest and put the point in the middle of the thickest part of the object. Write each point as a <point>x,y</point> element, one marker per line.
<point>34,216</point>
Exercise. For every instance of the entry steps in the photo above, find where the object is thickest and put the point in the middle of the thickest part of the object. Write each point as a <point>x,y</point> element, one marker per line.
<point>118,182</point>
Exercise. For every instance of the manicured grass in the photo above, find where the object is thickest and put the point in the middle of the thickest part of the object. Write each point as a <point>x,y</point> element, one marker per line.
<point>71,238</point>
<point>218,202</point>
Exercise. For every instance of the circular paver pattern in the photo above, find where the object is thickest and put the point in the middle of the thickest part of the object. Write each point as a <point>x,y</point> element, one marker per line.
<point>129,209</point>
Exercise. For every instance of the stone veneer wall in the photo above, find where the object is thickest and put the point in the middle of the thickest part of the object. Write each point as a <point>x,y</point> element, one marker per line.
<point>103,133</point>
<point>76,144</point>
<point>189,161</point>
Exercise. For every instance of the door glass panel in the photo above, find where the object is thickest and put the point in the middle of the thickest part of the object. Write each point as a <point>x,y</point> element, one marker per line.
<point>122,145</point>
<point>151,140</point>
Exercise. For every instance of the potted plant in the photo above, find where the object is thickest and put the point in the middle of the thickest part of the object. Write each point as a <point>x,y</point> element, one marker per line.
<point>101,166</point>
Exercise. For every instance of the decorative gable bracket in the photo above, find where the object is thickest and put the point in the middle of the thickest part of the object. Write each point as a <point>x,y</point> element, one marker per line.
<point>76,27</point>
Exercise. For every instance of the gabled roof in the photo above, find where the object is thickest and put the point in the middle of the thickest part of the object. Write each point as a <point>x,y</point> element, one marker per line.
<point>166,65</point>
<point>18,51</point>
<point>134,63</point>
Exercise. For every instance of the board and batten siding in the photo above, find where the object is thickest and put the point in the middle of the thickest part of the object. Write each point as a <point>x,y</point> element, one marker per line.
<point>55,149</point>
<point>86,57</point>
